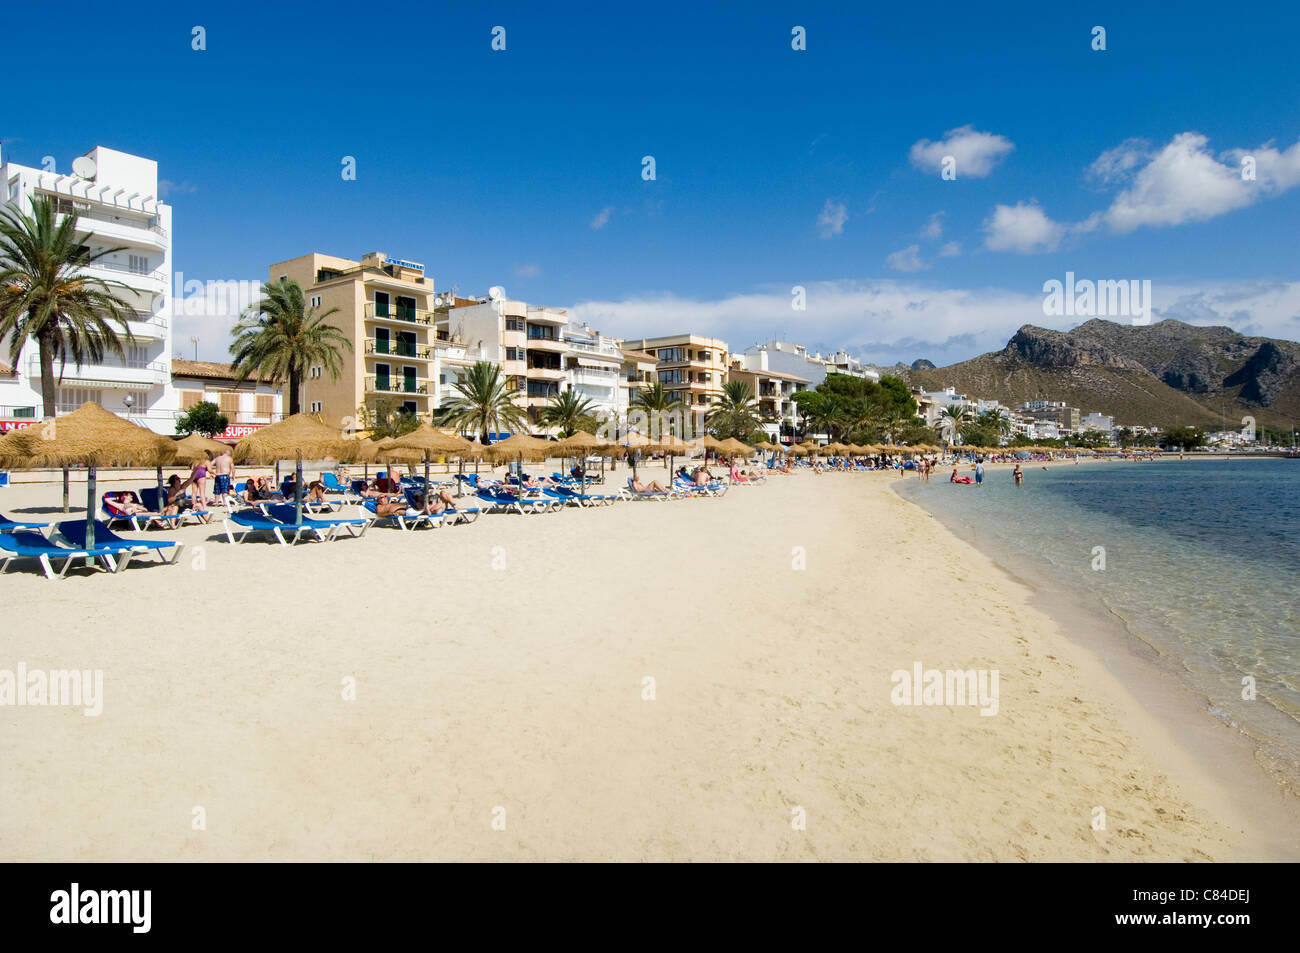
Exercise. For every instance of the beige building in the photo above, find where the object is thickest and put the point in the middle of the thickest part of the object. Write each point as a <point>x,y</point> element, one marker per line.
<point>388,309</point>
<point>690,366</point>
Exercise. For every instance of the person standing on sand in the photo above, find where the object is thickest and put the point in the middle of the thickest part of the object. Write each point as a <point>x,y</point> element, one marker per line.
<point>979,470</point>
<point>224,468</point>
<point>1018,475</point>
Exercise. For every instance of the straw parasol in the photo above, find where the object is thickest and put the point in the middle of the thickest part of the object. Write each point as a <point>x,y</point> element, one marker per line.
<point>734,447</point>
<point>798,449</point>
<point>196,447</point>
<point>297,436</point>
<point>520,447</point>
<point>579,444</point>
<point>92,436</point>
<point>424,441</point>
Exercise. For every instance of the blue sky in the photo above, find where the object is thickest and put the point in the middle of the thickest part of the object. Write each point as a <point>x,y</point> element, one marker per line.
<point>774,167</point>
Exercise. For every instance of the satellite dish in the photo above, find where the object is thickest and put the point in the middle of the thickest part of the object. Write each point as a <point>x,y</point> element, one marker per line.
<point>497,293</point>
<point>83,166</point>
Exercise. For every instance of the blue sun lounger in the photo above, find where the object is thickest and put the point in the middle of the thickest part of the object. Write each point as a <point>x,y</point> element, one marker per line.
<point>285,514</point>
<point>74,531</point>
<point>29,544</point>
<point>570,495</point>
<point>253,522</point>
<point>8,526</point>
<point>401,520</point>
<point>509,503</point>
<point>635,494</point>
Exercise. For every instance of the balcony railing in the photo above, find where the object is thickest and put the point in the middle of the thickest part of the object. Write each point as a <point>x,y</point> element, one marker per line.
<point>394,385</point>
<point>399,349</point>
<point>397,313</point>
<point>157,274</point>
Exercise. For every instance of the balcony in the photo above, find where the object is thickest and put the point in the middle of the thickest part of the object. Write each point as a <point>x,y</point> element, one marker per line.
<point>546,373</point>
<point>155,281</point>
<point>550,345</point>
<point>395,385</point>
<point>144,373</point>
<point>398,314</point>
<point>418,352</point>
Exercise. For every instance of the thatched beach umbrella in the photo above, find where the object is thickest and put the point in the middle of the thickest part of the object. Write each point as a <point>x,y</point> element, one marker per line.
<point>298,436</point>
<point>520,447</point>
<point>92,436</point>
<point>425,442</point>
<point>196,447</point>
<point>579,444</point>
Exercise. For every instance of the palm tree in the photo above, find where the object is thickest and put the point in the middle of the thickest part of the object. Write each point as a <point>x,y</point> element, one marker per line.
<point>999,419</point>
<point>45,297</point>
<point>736,413</point>
<point>951,420</point>
<point>568,411</point>
<point>656,402</point>
<point>279,337</point>
<point>483,403</point>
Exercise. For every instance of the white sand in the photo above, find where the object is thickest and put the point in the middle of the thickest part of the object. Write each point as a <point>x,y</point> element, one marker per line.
<point>521,688</point>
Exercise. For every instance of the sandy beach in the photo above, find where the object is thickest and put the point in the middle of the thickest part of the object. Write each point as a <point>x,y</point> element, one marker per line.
<point>502,680</point>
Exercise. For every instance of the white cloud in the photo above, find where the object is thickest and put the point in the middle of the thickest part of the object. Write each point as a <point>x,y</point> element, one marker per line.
<point>602,218</point>
<point>832,218</point>
<point>933,227</point>
<point>950,250</point>
<point>887,321</point>
<point>906,259</point>
<point>528,271</point>
<point>1022,227</point>
<point>975,152</point>
<point>1184,182</point>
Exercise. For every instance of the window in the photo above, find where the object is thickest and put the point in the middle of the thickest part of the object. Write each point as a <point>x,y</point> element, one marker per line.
<point>514,324</point>
<point>284,277</point>
<point>265,405</point>
<point>670,354</point>
<point>70,398</point>
<point>190,397</point>
<point>315,370</point>
<point>229,403</point>
<point>316,406</point>
<point>670,377</point>
<point>381,304</point>
<point>514,354</point>
<point>138,264</point>
<point>315,301</point>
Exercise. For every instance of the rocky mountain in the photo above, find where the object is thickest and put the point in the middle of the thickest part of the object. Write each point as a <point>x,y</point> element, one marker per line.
<point>1166,374</point>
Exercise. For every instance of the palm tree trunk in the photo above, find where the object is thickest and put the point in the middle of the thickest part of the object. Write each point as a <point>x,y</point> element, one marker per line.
<point>295,383</point>
<point>45,346</point>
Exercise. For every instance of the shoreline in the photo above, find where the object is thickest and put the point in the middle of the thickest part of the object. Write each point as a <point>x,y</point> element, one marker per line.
<point>1144,683</point>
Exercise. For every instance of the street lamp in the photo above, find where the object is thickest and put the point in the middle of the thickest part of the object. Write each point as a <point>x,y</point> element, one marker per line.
<point>130,402</point>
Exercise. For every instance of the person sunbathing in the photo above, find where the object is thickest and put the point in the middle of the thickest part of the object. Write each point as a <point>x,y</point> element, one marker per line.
<point>653,486</point>
<point>439,504</point>
<point>126,504</point>
<point>394,506</point>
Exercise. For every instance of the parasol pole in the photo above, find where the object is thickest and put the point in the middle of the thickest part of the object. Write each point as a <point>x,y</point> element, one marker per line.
<point>90,512</point>
<point>65,489</point>
<point>162,500</point>
<point>297,489</point>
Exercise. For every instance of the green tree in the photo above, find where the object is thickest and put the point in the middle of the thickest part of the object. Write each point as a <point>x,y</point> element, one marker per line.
<point>45,296</point>
<point>569,411</point>
<point>735,414</point>
<point>204,417</point>
<point>1183,438</point>
<point>279,337</point>
<point>388,418</point>
<point>483,404</point>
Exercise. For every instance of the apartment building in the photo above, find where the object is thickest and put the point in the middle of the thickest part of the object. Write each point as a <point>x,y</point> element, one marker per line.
<point>1067,419</point>
<point>247,405</point>
<point>638,372</point>
<point>593,364</point>
<point>797,361</point>
<point>115,198</point>
<point>774,392</point>
<point>388,309</point>
<point>692,368</point>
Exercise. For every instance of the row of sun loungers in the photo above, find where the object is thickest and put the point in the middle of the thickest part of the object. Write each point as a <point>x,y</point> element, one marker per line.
<point>23,540</point>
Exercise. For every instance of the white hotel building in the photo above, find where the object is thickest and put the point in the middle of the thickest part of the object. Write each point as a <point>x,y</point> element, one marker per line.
<point>115,196</point>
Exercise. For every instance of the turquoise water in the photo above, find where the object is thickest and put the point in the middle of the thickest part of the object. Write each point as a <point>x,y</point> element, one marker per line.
<point>1202,563</point>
